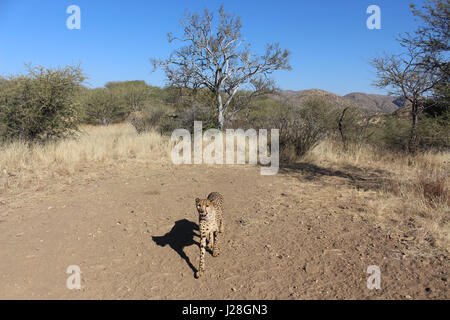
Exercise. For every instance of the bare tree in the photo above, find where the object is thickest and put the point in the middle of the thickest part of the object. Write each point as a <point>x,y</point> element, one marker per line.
<point>433,40</point>
<point>433,37</point>
<point>219,60</point>
<point>405,75</point>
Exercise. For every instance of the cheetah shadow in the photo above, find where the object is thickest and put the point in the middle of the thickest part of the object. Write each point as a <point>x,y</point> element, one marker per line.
<point>180,236</point>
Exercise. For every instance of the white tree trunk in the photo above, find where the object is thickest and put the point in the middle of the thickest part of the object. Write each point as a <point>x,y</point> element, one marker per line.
<point>220,111</point>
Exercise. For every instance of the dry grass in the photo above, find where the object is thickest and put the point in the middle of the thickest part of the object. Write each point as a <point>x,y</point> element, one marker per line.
<point>416,196</point>
<point>22,165</point>
<point>371,157</point>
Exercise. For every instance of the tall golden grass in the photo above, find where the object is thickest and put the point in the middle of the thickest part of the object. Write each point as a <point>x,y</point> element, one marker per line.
<point>417,191</point>
<point>370,156</point>
<point>21,164</point>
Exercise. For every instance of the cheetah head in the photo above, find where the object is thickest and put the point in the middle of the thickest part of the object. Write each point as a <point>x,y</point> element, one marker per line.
<point>204,207</point>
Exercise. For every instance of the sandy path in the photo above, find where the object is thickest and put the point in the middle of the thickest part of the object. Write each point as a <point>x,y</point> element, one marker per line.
<point>295,235</point>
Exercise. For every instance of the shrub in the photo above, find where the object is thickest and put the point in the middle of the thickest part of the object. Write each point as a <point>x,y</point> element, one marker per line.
<point>432,132</point>
<point>130,95</point>
<point>352,127</point>
<point>395,134</point>
<point>168,124</point>
<point>301,129</point>
<point>102,107</point>
<point>147,119</point>
<point>40,105</point>
<point>186,107</point>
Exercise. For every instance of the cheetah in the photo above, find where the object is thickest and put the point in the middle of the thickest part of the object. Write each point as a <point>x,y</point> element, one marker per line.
<point>210,212</point>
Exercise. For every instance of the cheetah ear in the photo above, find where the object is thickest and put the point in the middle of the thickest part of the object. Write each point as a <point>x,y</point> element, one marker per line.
<point>197,200</point>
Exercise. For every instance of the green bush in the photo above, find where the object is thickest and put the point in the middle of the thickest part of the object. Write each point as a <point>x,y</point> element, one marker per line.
<point>351,127</point>
<point>101,106</point>
<point>181,108</point>
<point>147,119</point>
<point>40,105</point>
<point>168,124</point>
<point>301,129</point>
<point>130,95</point>
<point>164,120</point>
<point>142,105</point>
<point>395,134</point>
<point>432,132</point>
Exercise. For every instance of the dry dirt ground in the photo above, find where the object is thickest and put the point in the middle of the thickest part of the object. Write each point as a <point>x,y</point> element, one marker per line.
<point>302,234</point>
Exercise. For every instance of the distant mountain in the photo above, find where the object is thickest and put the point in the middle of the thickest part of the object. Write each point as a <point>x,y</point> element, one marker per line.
<point>376,102</point>
<point>371,103</point>
<point>299,97</point>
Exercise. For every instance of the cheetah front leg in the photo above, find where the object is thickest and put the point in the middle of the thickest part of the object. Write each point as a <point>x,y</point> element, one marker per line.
<point>211,241</point>
<point>201,268</point>
<point>216,249</point>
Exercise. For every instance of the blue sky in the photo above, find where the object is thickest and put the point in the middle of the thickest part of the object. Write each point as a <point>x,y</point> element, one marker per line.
<point>329,42</point>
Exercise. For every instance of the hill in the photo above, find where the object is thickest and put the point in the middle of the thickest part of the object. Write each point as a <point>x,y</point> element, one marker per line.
<point>371,103</point>
<point>377,102</point>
